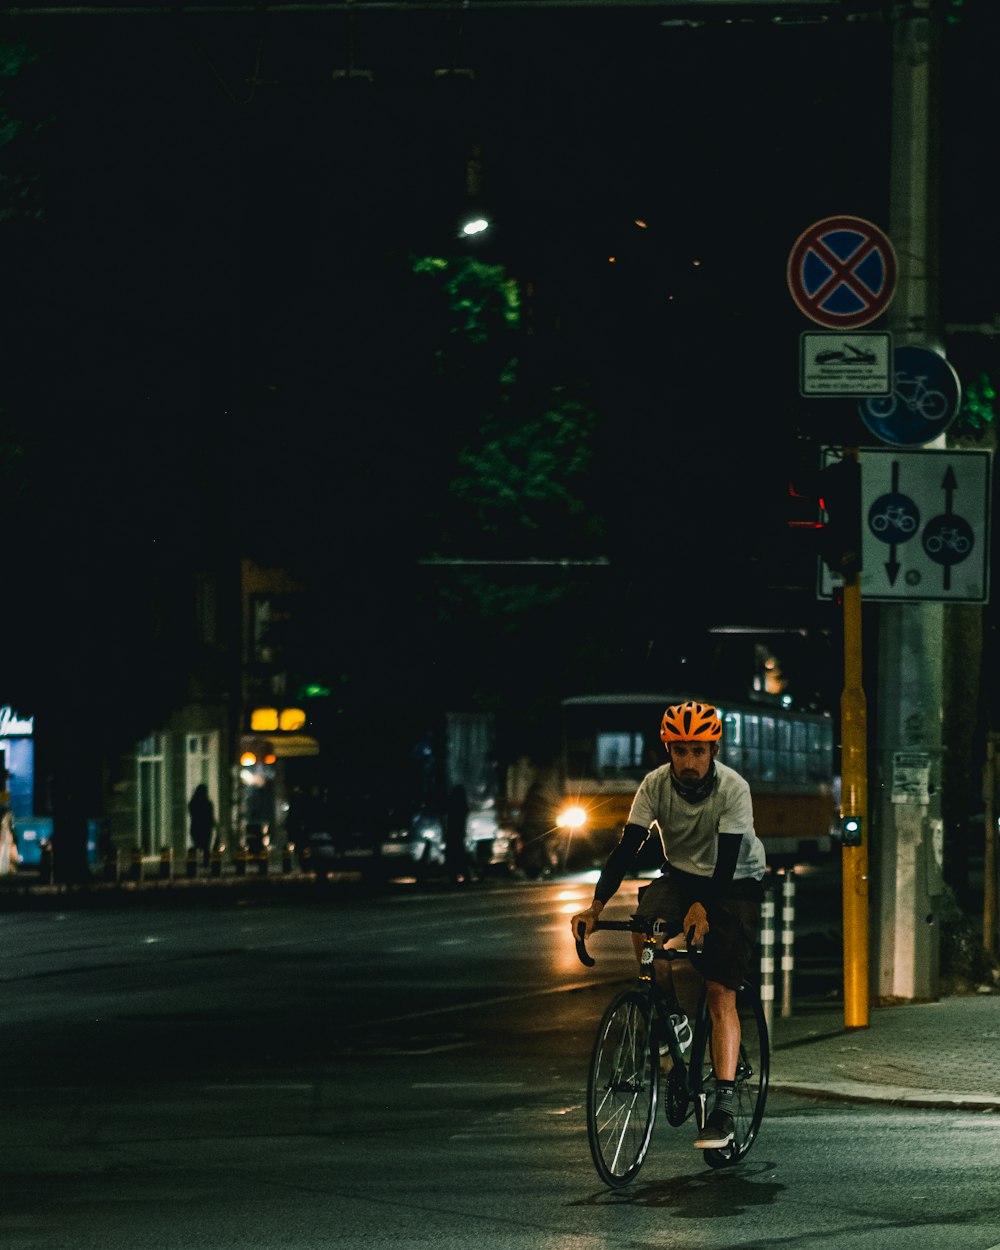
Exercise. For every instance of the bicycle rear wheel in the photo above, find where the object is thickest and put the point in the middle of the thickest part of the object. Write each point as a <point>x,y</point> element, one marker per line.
<point>621,1091</point>
<point>753,1070</point>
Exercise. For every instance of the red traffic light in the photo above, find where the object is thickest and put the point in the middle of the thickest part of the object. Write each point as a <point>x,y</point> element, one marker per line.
<point>833,495</point>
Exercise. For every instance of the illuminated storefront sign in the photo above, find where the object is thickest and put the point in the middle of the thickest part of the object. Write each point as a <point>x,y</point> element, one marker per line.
<point>14,726</point>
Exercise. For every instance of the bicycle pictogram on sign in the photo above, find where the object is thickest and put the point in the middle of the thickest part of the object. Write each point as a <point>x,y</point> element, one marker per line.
<point>926,396</point>
<point>842,272</point>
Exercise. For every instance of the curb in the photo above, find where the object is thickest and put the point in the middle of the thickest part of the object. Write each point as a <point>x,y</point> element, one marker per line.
<point>898,1095</point>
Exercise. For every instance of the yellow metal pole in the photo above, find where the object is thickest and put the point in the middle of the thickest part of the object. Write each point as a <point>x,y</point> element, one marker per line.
<point>854,802</point>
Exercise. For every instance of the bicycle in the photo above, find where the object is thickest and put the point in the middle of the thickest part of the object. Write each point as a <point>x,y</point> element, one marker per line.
<point>624,1080</point>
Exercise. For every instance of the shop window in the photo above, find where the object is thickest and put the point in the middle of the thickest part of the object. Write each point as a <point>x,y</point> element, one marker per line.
<point>151,794</point>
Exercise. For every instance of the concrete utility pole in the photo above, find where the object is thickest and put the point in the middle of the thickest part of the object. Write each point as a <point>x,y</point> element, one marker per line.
<point>911,635</point>
<point>990,846</point>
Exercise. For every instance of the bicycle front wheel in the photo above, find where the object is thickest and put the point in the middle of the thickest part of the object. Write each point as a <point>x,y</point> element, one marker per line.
<point>621,1092</point>
<point>753,1071</point>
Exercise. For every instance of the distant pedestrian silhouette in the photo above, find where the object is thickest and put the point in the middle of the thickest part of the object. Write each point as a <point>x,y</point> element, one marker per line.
<point>202,814</point>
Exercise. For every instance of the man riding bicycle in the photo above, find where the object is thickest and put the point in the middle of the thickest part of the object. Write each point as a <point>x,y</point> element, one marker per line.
<point>711,882</point>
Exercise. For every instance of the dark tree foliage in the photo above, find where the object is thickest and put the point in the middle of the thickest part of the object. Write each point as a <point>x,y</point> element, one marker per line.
<point>420,589</point>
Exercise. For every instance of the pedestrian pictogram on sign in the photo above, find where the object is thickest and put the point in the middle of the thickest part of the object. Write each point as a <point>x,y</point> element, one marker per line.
<point>842,272</point>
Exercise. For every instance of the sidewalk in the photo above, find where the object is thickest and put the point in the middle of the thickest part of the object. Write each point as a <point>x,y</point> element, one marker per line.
<point>940,1055</point>
<point>25,891</point>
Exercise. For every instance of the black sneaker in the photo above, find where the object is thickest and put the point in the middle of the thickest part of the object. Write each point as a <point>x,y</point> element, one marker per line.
<point>718,1131</point>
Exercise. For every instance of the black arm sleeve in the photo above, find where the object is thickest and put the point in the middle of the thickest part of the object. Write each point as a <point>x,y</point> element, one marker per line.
<point>725,866</point>
<point>619,861</point>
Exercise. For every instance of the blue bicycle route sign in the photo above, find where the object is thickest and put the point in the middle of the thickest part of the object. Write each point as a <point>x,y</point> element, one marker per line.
<point>842,272</point>
<point>926,396</point>
<point>925,518</point>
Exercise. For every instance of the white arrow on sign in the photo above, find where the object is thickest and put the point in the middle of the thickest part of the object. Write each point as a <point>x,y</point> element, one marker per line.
<point>930,509</point>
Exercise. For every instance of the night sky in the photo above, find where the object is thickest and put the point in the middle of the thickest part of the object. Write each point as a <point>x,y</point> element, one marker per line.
<point>220,272</point>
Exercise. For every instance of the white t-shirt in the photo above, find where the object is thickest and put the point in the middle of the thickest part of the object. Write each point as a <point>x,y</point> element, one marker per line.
<point>689,831</point>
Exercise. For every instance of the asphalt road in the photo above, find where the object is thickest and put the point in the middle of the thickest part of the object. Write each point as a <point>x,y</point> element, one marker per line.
<point>400,1071</point>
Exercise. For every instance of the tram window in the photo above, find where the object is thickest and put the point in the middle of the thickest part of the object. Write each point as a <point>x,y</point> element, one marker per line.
<point>617,752</point>
<point>785,760</point>
<point>752,726</point>
<point>731,752</point>
<point>751,764</point>
<point>820,756</point>
<point>768,753</point>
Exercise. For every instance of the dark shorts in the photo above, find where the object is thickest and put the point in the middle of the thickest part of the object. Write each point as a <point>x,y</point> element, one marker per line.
<point>734,922</point>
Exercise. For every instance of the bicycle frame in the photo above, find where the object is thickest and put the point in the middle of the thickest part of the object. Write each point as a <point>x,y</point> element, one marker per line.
<point>691,1064</point>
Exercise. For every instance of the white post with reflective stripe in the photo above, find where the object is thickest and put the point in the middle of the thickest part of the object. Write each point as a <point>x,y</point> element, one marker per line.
<point>787,941</point>
<point>767,958</point>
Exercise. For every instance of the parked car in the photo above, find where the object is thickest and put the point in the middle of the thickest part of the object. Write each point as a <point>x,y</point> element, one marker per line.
<point>375,837</point>
<point>414,845</point>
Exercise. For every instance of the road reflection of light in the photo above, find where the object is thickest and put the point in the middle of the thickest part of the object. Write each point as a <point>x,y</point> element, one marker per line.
<point>565,894</point>
<point>570,909</point>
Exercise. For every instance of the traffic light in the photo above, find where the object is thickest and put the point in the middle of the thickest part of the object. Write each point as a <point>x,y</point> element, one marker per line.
<point>840,499</point>
<point>835,492</point>
<point>851,830</point>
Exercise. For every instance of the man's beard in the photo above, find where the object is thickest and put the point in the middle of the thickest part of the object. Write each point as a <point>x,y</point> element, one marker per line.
<point>694,791</point>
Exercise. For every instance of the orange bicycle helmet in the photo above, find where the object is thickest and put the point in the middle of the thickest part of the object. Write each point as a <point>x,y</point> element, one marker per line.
<point>691,722</point>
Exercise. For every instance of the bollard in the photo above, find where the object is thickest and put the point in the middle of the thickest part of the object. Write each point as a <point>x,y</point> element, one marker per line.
<point>241,861</point>
<point>112,866</point>
<point>166,863</point>
<point>135,865</point>
<point>767,958</point>
<point>262,861</point>
<point>191,862</point>
<point>287,857</point>
<point>45,869</point>
<point>215,866</point>
<point>787,941</point>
